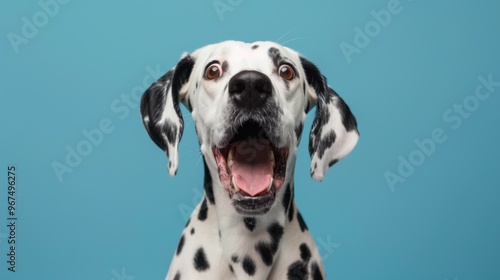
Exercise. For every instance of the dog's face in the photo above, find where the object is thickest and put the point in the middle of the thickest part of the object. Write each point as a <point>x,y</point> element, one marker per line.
<point>249,103</point>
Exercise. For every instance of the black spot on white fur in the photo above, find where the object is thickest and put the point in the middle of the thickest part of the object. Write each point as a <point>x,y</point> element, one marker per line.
<point>315,272</point>
<point>302,224</point>
<point>248,265</point>
<point>325,143</point>
<point>202,215</point>
<point>298,131</point>
<point>313,169</point>
<point>275,56</point>
<point>305,253</point>
<point>224,66</point>
<point>276,232</point>
<point>267,250</point>
<point>207,184</point>
<point>313,76</point>
<point>297,271</point>
<point>235,258</point>
<point>332,162</point>
<point>249,223</point>
<point>288,201</point>
<point>192,231</point>
<point>254,47</point>
<point>348,119</point>
<point>181,245</point>
<point>200,261</point>
<point>177,276</point>
<point>170,130</point>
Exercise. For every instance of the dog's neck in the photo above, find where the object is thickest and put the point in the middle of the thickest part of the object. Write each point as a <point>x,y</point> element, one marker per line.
<point>240,235</point>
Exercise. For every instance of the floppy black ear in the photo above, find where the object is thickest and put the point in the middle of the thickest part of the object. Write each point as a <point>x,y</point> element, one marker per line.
<point>160,110</point>
<point>334,130</point>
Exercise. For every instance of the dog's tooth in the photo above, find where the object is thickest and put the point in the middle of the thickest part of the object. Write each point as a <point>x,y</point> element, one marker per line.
<point>234,184</point>
<point>270,184</point>
<point>230,159</point>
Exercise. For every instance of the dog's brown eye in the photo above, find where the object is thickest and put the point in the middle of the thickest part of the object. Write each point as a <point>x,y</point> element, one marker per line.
<point>213,71</point>
<point>286,72</point>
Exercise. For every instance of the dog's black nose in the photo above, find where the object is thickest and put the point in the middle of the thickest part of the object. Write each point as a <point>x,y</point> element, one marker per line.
<point>250,89</point>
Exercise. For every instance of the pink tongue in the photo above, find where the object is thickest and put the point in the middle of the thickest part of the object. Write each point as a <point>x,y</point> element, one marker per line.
<point>252,170</point>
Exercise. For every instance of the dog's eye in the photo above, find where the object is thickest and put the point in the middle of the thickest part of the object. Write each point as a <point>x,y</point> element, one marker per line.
<point>213,71</point>
<point>286,72</point>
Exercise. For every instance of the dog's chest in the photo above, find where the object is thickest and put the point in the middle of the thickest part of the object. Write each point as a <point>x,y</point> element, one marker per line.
<point>214,247</point>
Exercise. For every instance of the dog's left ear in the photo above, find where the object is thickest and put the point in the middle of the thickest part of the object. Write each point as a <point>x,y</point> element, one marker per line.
<point>160,110</point>
<point>334,130</point>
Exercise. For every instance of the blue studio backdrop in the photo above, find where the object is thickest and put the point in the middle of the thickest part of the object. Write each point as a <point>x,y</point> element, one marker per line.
<point>89,195</point>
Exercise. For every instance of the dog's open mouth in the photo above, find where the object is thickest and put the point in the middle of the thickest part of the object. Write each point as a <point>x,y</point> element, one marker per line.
<point>251,169</point>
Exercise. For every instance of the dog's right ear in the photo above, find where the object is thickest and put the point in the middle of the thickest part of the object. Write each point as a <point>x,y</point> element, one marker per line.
<point>160,110</point>
<point>334,131</point>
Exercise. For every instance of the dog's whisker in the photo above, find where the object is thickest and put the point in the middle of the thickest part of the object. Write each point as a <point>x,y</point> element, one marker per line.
<point>194,151</point>
<point>198,161</point>
<point>291,40</point>
<point>191,120</point>
<point>284,35</point>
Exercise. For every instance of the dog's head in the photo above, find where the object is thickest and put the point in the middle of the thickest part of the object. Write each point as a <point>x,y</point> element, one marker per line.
<point>249,103</point>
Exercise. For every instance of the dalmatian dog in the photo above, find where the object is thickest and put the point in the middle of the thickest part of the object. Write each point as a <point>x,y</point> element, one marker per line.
<point>248,102</point>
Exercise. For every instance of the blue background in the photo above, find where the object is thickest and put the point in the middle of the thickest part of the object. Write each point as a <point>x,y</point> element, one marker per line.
<point>119,214</point>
